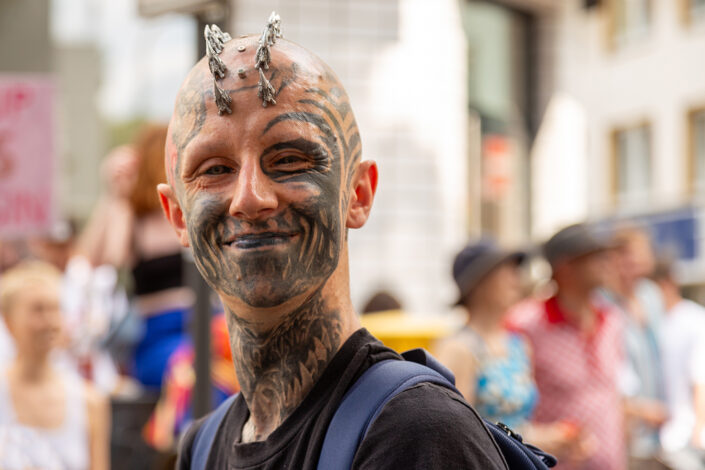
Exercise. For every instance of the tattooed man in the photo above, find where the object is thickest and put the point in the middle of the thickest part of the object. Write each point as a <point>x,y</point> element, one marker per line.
<point>264,197</point>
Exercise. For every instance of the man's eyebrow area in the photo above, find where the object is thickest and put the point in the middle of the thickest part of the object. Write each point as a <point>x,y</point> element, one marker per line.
<point>327,135</point>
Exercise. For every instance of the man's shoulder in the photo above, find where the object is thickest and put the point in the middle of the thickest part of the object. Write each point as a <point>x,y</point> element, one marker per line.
<point>424,425</point>
<point>185,445</point>
<point>224,416</point>
<point>429,404</point>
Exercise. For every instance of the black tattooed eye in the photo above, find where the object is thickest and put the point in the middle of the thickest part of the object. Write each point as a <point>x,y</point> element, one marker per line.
<point>289,159</point>
<point>291,163</point>
<point>218,170</point>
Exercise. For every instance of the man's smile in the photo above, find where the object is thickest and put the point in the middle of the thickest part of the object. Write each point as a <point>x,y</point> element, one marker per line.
<point>252,241</point>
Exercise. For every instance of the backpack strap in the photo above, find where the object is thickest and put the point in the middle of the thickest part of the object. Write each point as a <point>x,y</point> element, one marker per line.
<point>518,454</point>
<point>363,403</point>
<point>205,435</point>
<point>386,379</point>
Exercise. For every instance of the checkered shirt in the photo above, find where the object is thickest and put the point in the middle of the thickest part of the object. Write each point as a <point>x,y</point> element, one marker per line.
<point>576,376</point>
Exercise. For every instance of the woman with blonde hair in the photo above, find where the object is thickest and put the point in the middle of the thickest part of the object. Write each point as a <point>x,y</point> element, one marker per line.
<point>49,418</point>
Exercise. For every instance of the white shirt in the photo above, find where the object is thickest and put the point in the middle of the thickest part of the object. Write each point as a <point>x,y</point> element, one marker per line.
<point>63,448</point>
<point>683,360</point>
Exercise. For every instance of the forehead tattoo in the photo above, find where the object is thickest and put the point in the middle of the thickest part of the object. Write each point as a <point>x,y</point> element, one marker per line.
<point>327,105</point>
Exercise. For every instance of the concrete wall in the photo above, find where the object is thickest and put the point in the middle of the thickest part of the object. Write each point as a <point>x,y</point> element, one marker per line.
<point>81,130</point>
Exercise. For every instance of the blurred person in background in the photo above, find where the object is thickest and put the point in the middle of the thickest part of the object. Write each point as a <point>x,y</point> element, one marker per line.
<point>7,347</point>
<point>49,418</point>
<point>682,336</point>
<point>381,301</point>
<point>56,246</point>
<point>89,299</point>
<point>128,229</point>
<point>642,305</point>
<point>11,252</point>
<point>492,365</point>
<point>173,411</point>
<point>576,342</point>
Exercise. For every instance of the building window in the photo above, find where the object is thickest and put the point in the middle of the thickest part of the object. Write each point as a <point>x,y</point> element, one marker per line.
<point>694,11</point>
<point>632,165</point>
<point>697,146</point>
<point>630,21</point>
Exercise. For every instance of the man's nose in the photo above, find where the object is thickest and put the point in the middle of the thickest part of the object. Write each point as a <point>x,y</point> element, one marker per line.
<point>254,196</point>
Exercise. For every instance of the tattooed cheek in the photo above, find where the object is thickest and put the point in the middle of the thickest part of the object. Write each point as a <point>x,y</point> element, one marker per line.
<point>198,196</point>
<point>204,211</point>
<point>312,192</point>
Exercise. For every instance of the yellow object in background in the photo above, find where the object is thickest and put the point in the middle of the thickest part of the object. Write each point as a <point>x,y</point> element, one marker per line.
<point>401,331</point>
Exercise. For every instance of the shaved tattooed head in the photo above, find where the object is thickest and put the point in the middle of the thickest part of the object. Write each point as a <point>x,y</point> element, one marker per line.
<point>310,78</point>
<point>308,142</point>
<point>263,197</point>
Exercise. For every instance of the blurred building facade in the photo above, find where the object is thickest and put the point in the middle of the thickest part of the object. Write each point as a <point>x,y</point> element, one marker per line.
<point>621,131</point>
<point>585,110</point>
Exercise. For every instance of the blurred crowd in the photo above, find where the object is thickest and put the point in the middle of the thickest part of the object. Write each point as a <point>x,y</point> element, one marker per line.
<point>602,365</point>
<point>98,316</point>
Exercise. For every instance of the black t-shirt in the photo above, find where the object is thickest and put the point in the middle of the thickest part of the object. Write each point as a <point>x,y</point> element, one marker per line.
<point>424,427</point>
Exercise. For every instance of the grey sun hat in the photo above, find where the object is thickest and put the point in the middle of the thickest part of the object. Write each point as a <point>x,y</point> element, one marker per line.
<point>476,260</point>
<point>572,242</point>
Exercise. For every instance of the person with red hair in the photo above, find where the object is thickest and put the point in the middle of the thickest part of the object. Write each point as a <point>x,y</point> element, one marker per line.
<point>128,229</point>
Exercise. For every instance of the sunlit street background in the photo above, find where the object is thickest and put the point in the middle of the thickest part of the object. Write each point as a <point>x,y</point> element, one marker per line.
<point>501,118</point>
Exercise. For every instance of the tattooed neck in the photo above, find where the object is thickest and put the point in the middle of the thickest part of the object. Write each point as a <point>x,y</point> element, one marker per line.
<point>277,368</point>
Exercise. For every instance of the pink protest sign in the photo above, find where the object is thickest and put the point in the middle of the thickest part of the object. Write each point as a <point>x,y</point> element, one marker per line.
<point>26,154</point>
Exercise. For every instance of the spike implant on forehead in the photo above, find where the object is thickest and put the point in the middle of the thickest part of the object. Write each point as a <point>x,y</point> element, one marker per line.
<point>263,57</point>
<point>215,41</point>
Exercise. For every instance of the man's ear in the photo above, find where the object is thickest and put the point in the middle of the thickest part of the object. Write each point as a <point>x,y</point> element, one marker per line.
<point>173,213</point>
<point>364,186</point>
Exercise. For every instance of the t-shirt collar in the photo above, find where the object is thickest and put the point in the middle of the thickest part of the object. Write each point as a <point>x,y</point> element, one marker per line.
<point>556,315</point>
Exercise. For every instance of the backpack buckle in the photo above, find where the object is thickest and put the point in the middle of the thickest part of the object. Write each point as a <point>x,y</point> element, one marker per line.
<point>510,432</point>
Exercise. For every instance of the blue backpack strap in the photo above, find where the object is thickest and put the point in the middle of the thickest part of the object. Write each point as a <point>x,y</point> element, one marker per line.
<point>363,403</point>
<point>205,435</point>
<point>383,381</point>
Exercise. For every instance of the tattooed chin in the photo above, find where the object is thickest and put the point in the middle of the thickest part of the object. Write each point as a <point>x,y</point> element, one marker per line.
<point>267,265</point>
